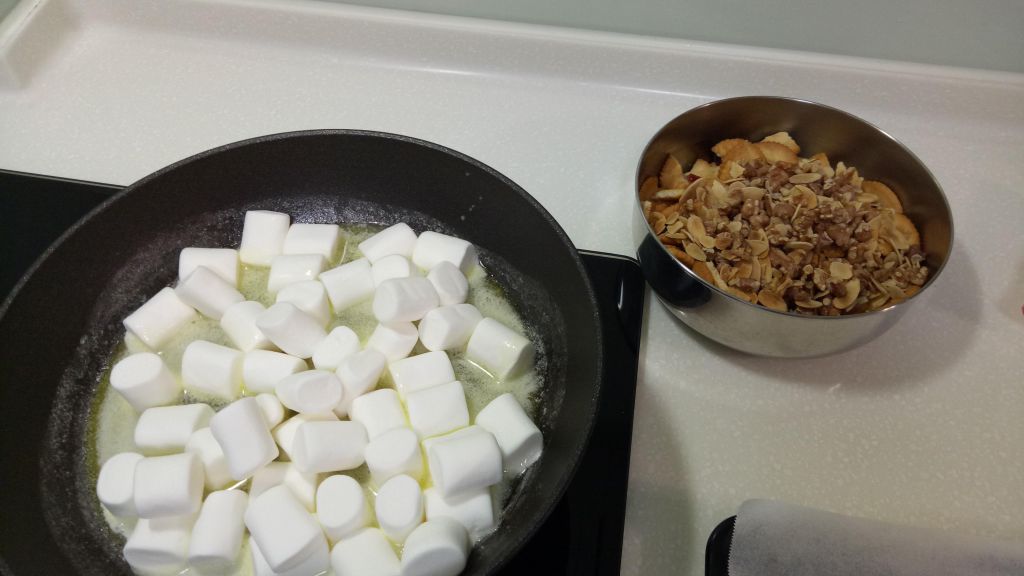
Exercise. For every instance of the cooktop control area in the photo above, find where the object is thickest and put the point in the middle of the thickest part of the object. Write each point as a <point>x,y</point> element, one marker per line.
<point>583,535</point>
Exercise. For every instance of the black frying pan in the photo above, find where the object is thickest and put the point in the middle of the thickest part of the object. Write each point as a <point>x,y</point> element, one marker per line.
<point>59,327</point>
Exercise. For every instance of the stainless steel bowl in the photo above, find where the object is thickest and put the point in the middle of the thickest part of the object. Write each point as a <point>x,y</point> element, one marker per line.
<point>817,128</point>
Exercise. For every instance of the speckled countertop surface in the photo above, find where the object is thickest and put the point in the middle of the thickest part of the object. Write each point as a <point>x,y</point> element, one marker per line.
<point>923,426</point>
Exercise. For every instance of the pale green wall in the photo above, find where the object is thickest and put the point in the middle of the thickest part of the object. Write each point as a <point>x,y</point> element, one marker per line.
<point>5,7</point>
<point>972,33</point>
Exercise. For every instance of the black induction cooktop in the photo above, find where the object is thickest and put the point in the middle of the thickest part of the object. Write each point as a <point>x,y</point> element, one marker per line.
<point>583,535</point>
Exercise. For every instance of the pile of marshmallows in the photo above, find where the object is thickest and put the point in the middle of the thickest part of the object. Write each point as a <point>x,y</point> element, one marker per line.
<point>299,522</point>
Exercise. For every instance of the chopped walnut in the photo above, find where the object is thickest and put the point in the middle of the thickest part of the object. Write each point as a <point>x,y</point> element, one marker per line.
<point>789,233</point>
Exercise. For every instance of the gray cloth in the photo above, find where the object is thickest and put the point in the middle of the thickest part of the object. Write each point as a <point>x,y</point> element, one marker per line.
<point>774,538</point>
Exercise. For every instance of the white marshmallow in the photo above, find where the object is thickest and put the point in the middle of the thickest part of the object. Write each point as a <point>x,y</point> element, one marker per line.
<point>340,343</point>
<point>221,261</point>
<point>404,299</point>
<point>239,323</point>
<point>115,486</point>
<point>329,446</point>
<point>395,340</point>
<point>286,533</point>
<point>399,507</point>
<point>284,434</point>
<point>460,433</point>
<point>421,371</point>
<point>160,318</point>
<point>166,429</point>
<point>396,239</point>
<point>263,236</point>
<point>215,466</point>
<point>359,374</point>
<point>437,410</point>
<point>392,453</point>
<point>316,563</point>
<point>273,410</point>
<point>433,248</point>
<point>378,411</point>
<point>217,533</point>
<point>211,369</point>
<point>302,485</point>
<point>310,392</point>
<point>168,485</point>
<point>241,430</point>
<point>451,284</point>
<point>310,296</point>
<point>449,327</point>
<point>319,239</point>
<point>288,268</point>
<point>436,548</point>
<point>348,284</point>
<point>291,329</point>
<point>341,507</point>
<point>267,477</point>
<point>159,545</point>
<point>499,349</point>
<point>475,510</point>
<point>518,437</point>
<point>208,293</point>
<point>464,461</point>
<point>263,369</point>
<point>145,381</point>
<point>365,553</point>
<point>393,266</point>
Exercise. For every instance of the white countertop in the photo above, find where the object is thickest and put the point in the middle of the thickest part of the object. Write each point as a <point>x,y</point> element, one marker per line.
<point>923,426</point>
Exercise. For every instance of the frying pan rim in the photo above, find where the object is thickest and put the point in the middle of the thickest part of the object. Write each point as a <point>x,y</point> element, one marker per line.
<point>552,498</point>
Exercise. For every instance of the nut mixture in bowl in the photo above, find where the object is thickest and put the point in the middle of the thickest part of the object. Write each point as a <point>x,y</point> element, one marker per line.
<point>789,233</point>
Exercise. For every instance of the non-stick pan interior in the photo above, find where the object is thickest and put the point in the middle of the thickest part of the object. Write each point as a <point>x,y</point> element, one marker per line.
<point>59,329</point>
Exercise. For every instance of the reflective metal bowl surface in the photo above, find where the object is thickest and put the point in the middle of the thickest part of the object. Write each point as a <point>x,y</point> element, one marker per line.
<point>817,128</point>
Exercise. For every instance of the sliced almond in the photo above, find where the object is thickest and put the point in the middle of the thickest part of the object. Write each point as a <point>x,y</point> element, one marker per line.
<point>695,251</point>
<point>804,196</point>
<point>749,297</point>
<point>669,194</point>
<point>696,226</point>
<point>753,193</point>
<point>809,304</point>
<point>840,270</point>
<point>785,139</point>
<point>804,178</point>
<point>852,292</point>
<point>680,255</point>
<point>657,222</point>
<point>878,302</point>
<point>798,245</point>
<point>770,299</point>
<point>757,247</point>
<point>671,175</point>
<point>701,269</point>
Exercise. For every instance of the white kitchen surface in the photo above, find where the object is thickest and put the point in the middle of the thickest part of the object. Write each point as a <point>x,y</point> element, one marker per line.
<point>923,426</point>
